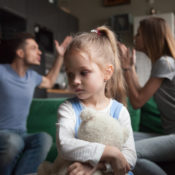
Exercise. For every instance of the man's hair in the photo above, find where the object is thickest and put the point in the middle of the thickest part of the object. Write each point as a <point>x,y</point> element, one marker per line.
<point>9,47</point>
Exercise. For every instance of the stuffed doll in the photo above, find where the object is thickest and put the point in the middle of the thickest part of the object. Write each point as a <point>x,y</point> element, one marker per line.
<point>95,127</point>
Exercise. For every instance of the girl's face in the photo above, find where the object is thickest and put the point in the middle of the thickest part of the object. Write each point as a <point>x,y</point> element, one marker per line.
<point>85,77</point>
<point>138,41</point>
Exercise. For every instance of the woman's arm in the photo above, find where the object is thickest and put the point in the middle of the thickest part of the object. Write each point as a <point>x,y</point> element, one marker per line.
<point>138,95</point>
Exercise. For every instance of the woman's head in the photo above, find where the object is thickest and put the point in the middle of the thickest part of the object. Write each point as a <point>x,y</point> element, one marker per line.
<point>99,48</point>
<point>156,38</point>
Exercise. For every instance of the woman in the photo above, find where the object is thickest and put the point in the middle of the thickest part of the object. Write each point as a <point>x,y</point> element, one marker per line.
<point>155,39</point>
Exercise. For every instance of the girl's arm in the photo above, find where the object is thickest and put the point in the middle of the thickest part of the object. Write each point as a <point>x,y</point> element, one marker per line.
<point>128,149</point>
<point>82,151</point>
<point>124,160</point>
<point>83,168</point>
<point>70,147</point>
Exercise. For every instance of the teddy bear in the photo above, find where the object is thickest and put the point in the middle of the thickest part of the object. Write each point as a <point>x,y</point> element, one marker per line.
<point>95,127</point>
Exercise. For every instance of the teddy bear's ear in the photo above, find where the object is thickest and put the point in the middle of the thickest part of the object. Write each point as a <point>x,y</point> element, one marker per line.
<point>87,114</point>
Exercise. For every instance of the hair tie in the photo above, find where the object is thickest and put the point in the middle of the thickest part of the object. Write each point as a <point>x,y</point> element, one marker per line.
<point>96,31</point>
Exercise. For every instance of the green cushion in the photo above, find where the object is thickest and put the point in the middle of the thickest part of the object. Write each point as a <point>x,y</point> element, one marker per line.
<point>43,117</point>
<point>52,154</point>
<point>150,118</point>
<point>135,116</point>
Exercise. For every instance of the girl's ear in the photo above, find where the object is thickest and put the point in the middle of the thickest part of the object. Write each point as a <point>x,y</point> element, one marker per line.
<point>108,72</point>
<point>20,53</point>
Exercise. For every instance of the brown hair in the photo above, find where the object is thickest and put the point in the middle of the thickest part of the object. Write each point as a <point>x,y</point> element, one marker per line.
<point>8,47</point>
<point>101,46</point>
<point>157,38</point>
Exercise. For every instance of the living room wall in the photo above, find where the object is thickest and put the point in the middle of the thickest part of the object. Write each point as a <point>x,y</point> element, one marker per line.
<point>92,13</point>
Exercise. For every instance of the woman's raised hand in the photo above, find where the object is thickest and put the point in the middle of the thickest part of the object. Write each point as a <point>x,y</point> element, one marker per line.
<point>127,56</point>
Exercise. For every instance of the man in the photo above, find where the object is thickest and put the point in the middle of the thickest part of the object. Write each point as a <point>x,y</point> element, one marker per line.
<point>20,152</point>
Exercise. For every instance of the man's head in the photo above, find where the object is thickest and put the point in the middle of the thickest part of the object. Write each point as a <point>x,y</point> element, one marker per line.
<point>27,49</point>
<point>22,47</point>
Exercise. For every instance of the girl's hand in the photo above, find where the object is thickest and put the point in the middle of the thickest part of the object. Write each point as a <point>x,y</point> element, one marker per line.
<point>118,162</point>
<point>60,49</point>
<point>120,166</point>
<point>78,168</point>
<point>127,56</point>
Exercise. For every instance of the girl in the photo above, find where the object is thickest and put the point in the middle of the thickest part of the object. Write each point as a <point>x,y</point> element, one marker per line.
<point>155,39</point>
<point>95,76</point>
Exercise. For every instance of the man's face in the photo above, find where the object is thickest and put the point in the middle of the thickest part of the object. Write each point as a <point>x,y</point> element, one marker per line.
<point>32,54</point>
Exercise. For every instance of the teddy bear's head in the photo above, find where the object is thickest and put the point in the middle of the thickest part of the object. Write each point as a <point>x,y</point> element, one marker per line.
<point>101,128</point>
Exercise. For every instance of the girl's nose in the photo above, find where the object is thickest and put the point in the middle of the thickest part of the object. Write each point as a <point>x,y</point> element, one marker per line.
<point>76,80</point>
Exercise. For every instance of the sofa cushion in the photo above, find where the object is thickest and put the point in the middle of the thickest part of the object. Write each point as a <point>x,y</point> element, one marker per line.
<point>135,116</point>
<point>43,117</point>
<point>150,118</point>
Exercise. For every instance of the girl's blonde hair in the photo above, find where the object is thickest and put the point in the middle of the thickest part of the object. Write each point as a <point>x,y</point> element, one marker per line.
<point>157,38</point>
<point>101,46</point>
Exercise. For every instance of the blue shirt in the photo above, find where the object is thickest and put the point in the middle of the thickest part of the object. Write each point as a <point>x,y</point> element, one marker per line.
<point>16,94</point>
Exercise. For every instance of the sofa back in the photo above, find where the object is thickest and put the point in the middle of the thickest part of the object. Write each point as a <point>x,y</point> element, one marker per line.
<point>43,117</point>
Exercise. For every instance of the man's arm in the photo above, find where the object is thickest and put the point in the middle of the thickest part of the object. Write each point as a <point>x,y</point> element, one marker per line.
<point>49,80</point>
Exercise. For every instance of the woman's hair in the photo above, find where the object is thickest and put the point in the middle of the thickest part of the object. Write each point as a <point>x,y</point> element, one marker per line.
<point>101,46</point>
<point>157,38</point>
<point>8,47</point>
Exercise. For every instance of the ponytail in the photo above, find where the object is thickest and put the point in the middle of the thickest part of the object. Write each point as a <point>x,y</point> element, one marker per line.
<point>116,86</point>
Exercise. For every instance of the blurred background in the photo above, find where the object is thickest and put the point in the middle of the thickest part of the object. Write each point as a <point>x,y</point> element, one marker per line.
<point>55,19</point>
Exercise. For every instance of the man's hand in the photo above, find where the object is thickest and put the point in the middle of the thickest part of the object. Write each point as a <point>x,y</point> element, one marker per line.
<point>60,49</point>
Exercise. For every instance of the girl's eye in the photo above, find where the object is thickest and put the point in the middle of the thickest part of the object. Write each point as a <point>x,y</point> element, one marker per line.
<point>70,75</point>
<point>84,73</point>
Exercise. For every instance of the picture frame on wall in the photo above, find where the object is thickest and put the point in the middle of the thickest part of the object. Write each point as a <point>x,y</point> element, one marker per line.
<point>120,23</point>
<point>45,39</point>
<point>115,2</point>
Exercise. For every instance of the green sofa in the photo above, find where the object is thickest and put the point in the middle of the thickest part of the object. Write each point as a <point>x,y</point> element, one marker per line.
<point>43,117</point>
<point>146,119</point>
